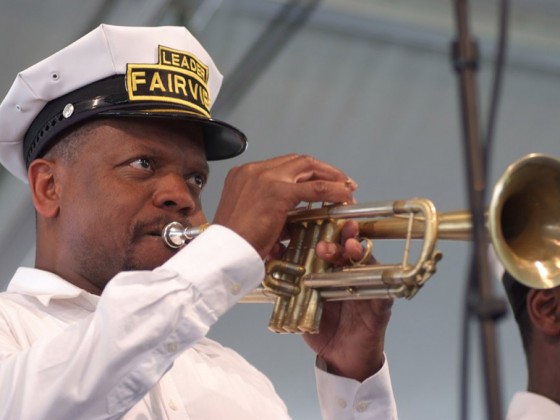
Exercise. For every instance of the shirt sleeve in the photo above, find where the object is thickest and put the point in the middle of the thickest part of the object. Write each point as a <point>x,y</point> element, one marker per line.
<point>100,366</point>
<point>347,399</point>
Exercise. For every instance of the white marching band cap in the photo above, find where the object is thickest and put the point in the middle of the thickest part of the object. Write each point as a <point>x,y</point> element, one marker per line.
<point>114,71</point>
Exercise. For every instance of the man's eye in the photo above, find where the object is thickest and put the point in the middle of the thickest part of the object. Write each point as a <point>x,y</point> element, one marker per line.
<point>197,180</point>
<point>143,164</point>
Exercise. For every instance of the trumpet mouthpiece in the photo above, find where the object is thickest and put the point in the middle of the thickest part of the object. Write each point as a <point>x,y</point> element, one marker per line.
<point>175,235</point>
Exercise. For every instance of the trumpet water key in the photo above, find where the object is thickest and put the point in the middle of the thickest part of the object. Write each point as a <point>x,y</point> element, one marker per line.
<point>522,222</point>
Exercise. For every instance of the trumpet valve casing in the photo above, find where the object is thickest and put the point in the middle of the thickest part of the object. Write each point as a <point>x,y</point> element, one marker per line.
<point>299,311</point>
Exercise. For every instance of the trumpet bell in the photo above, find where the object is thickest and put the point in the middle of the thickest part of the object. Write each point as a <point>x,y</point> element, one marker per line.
<point>524,220</point>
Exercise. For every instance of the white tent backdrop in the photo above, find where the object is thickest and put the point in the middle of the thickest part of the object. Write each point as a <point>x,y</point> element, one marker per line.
<point>367,86</point>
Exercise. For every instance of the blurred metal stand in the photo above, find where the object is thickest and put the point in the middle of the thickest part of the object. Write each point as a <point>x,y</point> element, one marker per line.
<point>281,29</point>
<point>482,303</point>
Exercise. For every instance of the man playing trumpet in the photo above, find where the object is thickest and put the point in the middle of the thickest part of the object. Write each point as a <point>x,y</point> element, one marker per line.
<point>113,135</point>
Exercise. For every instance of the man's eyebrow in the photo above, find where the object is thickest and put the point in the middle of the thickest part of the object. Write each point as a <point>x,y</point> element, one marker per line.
<point>155,149</point>
<point>203,167</point>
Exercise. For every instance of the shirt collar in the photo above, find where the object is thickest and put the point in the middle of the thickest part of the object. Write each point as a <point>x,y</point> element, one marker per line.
<point>45,286</point>
<point>532,406</point>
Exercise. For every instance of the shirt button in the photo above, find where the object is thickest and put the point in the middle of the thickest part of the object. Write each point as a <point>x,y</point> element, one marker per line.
<point>235,289</point>
<point>361,407</point>
<point>341,402</point>
<point>172,405</point>
<point>172,347</point>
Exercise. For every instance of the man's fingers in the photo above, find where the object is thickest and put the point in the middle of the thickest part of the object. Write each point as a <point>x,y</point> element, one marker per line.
<point>267,190</point>
<point>353,250</point>
<point>351,229</point>
<point>303,168</point>
<point>323,191</point>
<point>329,252</point>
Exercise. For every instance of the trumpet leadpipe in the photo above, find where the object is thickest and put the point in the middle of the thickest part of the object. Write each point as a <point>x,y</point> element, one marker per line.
<point>453,225</point>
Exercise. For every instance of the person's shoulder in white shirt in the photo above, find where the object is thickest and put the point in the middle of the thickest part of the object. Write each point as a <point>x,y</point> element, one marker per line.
<point>531,406</point>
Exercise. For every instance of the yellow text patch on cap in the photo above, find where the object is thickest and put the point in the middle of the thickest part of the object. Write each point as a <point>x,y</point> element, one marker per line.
<point>178,77</point>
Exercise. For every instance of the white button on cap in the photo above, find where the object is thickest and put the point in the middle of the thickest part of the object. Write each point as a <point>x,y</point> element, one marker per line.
<point>361,407</point>
<point>68,110</point>
<point>172,405</point>
<point>341,402</point>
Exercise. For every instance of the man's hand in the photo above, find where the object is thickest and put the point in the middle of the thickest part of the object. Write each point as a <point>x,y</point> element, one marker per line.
<point>257,196</point>
<point>352,333</point>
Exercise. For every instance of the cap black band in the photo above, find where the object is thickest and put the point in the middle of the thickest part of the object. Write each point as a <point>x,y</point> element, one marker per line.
<point>109,98</point>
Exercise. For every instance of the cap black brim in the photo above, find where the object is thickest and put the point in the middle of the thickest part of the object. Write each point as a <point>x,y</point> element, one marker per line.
<point>221,140</point>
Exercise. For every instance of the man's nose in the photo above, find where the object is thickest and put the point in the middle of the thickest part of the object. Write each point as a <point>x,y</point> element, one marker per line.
<point>173,193</point>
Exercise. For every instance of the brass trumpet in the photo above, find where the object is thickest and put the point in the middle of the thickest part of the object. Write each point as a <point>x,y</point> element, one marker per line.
<point>522,222</point>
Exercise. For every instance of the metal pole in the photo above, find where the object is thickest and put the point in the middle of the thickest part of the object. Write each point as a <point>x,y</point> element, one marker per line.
<point>465,63</point>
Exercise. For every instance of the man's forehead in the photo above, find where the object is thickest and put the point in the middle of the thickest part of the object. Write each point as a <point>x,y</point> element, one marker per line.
<point>164,136</point>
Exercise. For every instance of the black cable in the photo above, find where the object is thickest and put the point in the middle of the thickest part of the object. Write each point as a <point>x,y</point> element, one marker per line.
<point>465,345</point>
<point>498,79</point>
<point>470,290</point>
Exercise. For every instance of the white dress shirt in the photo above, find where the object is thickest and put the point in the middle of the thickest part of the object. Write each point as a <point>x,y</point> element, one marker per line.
<point>139,350</point>
<point>530,406</point>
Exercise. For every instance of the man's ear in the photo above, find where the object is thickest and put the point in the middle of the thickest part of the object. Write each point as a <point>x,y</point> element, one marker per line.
<point>44,187</point>
<point>544,310</point>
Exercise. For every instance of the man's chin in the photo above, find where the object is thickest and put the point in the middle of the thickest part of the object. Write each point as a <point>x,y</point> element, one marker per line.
<point>148,255</point>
